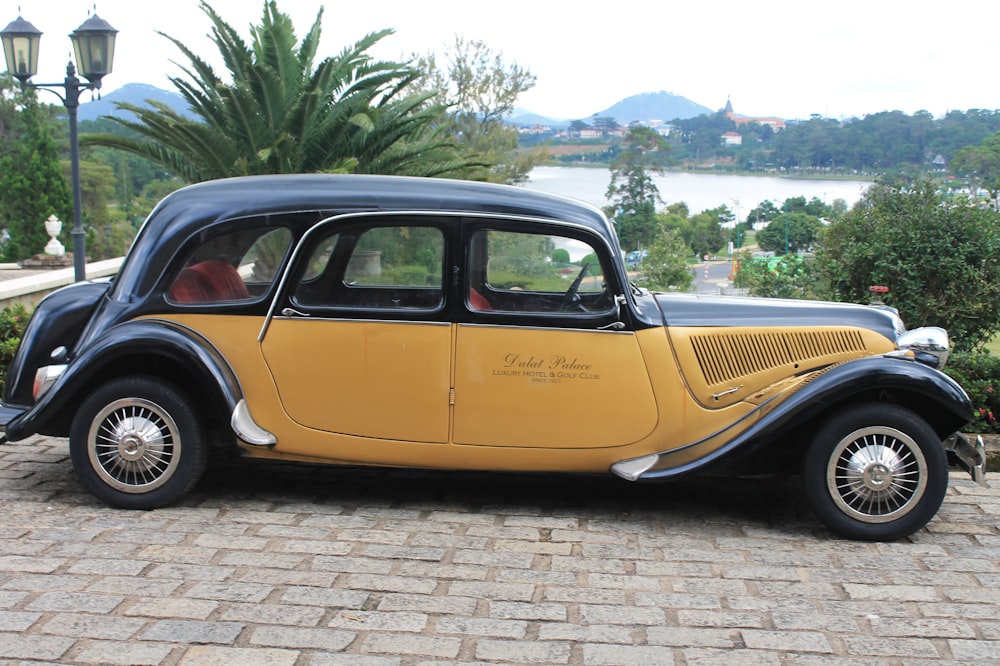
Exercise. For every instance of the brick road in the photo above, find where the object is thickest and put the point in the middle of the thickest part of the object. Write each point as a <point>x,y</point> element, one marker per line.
<point>286,564</point>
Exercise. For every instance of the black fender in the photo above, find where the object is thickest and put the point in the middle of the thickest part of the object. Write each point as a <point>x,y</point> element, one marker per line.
<point>144,337</point>
<point>931,393</point>
<point>58,320</point>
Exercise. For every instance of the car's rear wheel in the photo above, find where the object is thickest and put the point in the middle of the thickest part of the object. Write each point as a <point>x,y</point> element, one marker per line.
<point>137,443</point>
<point>875,473</point>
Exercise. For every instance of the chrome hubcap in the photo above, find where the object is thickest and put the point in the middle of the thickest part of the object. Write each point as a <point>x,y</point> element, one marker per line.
<point>877,474</point>
<point>134,445</point>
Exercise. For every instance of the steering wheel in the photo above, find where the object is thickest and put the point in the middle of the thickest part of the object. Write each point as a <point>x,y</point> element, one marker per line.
<point>571,298</point>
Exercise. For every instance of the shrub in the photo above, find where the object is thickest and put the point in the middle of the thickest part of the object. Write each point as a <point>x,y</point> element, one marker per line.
<point>939,257</point>
<point>13,319</point>
<point>979,375</point>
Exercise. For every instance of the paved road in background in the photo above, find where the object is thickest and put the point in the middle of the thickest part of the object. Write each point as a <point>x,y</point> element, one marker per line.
<point>286,564</point>
<point>713,277</point>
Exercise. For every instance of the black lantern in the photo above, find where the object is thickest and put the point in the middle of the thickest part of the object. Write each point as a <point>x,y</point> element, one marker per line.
<point>94,47</point>
<point>20,46</point>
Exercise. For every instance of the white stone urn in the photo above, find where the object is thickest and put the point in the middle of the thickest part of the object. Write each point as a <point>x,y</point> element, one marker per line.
<point>53,226</point>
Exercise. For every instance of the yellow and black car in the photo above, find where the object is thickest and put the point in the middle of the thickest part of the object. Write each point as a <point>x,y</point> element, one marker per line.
<point>373,320</point>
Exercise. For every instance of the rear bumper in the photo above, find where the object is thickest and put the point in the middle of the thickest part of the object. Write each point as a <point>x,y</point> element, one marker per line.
<point>7,414</point>
<point>968,455</point>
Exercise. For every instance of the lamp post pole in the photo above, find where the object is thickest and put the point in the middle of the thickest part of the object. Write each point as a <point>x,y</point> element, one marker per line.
<point>72,104</point>
<point>94,45</point>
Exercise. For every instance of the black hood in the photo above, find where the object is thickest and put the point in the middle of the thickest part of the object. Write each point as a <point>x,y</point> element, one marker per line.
<point>701,310</point>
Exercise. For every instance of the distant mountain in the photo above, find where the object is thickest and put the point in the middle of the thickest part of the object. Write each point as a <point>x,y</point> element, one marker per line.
<point>661,105</point>
<point>132,93</point>
<point>643,107</point>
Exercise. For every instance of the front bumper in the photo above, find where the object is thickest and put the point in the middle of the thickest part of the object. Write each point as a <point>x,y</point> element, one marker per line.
<point>970,456</point>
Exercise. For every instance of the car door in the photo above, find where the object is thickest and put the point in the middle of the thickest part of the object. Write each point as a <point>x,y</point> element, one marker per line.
<point>360,343</point>
<point>546,359</point>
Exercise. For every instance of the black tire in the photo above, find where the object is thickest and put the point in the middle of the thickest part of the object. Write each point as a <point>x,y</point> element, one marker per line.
<point>137,443</point>
<point>875,473</point>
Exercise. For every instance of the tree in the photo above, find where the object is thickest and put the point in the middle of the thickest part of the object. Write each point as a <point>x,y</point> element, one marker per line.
<point>790,276</point>
<point>939,258</point>
<point>479,91</point>
<point>32,184</point>
<point>665,267</point>
<point>605,124</point>
<point>790,232</point>
<point>707,234</point>
<point>632,192</point>
<point>280,114</point>
<point>981,164</point>
<point>762,213</point>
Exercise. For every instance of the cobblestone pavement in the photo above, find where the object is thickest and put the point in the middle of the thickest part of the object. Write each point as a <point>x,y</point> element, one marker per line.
<point>283,564</point>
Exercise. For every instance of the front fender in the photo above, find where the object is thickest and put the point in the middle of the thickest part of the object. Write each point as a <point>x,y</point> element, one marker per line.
<point>934,395</point>
<point>140,338</point>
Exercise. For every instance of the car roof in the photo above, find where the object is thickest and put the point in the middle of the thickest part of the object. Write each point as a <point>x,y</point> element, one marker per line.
<point>338,193</point>
<point>194,208</point>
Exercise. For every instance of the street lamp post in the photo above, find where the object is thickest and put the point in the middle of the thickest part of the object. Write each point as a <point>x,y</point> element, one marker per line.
<point>94,47</point>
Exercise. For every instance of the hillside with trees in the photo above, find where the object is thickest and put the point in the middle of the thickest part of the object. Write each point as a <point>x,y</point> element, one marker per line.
<point>880,143</point>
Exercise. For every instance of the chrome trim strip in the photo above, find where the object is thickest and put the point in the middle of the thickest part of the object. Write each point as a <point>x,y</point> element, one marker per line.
<point>367,321</point>
<point>246,429</point>
<point>520,327</point>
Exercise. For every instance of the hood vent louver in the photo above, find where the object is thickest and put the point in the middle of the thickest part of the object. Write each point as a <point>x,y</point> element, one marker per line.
<point>728,357</point>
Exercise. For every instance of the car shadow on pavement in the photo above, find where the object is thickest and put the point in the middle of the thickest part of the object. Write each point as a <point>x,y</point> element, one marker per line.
<point>772,504</point>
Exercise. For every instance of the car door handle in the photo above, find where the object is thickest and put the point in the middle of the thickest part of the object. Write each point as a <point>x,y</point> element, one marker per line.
<point>292,312</point>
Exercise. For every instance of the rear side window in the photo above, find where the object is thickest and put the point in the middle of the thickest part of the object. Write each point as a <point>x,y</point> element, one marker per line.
<point>380,267</point>
<point>234,267</point>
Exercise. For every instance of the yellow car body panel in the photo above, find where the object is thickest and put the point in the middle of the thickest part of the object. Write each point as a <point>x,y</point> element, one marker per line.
<point>380,379</point>
<point>550,388</point>
<point>396,379</point>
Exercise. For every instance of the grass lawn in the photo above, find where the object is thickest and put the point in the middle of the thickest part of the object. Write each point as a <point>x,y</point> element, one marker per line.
<point>993,346</point>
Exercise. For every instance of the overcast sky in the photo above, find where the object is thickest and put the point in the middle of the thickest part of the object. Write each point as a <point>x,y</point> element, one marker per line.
<point>780,58</point>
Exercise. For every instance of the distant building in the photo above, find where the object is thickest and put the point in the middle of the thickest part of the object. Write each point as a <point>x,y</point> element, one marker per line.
<point>732,139</point>
<point>776,124</point>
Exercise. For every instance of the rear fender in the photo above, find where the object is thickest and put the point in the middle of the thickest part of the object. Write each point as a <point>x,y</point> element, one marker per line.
<point>146,338</point>
<point>57,321</point>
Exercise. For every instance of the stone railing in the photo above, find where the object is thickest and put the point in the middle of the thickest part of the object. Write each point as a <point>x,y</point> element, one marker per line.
<point>30,289</point>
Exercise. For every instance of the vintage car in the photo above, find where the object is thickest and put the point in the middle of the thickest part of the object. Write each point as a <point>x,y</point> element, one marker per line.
<point>407,322</point>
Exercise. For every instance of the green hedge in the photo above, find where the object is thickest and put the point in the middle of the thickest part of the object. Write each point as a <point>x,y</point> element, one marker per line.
<point>13,319</point>
<point>979,375</point>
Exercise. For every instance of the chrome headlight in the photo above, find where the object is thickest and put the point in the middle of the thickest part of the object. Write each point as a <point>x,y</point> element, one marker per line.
<point>930,345</point>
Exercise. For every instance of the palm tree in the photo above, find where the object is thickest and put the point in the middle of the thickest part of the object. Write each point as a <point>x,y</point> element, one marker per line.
<point>279,114</point>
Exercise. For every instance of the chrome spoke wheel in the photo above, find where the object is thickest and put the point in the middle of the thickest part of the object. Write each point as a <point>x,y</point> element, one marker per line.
<point>877,474</point>
<point>133,445</point>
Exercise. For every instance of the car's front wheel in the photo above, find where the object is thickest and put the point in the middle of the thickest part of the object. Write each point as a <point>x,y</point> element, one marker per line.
<point>875,473</point>
<point>137,443</point>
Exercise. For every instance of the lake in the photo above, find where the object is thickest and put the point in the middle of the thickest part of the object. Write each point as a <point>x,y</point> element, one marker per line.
<point>699,191</point>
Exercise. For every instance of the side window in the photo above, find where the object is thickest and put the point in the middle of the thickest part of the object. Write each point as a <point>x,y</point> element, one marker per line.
<point>384,267</point>
<point>238,266</point>
<point>535,273</point>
